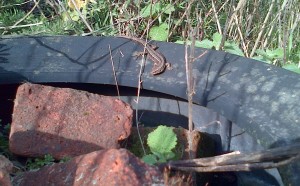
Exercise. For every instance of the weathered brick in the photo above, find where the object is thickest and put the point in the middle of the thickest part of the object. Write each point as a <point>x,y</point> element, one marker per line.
<point>66,122</point>
<point>104,167</point>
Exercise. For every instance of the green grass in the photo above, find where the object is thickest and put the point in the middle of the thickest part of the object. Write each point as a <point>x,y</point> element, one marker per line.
<point>246,34</point>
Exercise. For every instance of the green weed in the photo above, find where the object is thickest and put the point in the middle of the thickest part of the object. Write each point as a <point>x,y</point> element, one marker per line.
<point>161,143</point>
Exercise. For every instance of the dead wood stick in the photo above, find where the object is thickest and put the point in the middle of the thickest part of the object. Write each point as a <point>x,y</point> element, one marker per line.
<point>241,162</point>
<point>238,167</point>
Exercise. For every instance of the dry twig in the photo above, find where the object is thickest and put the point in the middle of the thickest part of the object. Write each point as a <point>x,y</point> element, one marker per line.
<point>266,159</point>
<point>262,29</point>
<point>114,72</point>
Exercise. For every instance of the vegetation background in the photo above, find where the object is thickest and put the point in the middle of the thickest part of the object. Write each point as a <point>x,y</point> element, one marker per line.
<point>268,31</point>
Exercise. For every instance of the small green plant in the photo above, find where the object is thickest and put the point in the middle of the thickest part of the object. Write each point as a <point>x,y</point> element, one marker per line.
<point>4,133</point>
<point>161,10</point>
<point>161,143</point>
<point>37,163</point>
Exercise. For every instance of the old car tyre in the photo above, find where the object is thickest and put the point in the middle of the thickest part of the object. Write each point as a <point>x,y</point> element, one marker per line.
<point>257,98</point>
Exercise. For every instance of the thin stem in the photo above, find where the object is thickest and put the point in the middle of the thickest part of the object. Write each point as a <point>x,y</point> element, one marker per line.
<point>262,29</point>
<point>114,72</point>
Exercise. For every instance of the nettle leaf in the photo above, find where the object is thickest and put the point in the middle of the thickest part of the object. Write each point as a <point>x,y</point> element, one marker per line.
<point>205,43</point>
<point>264,54</point>
<point>270,55</point>
<point>233,48</point>
<point>277,53</point>
<point>159,33</point>
<point>162,140</point>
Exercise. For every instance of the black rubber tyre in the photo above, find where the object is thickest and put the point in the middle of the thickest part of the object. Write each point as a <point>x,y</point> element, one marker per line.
<point>261,99</point>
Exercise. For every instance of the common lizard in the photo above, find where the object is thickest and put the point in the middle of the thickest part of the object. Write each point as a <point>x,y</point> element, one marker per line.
<point>158,59</point>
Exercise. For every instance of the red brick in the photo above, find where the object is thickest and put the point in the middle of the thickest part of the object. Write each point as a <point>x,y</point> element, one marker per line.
<point>104,167</point>
<point>66,122</point>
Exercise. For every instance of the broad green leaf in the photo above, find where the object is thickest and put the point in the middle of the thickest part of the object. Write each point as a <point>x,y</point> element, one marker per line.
<point>266,56</point>
<point>146,11</point>
<point>162,140</point>
<point>206,43</point>
<point>150,159</point>
<point>159,33</point>
<point>233,48</point>
<point>275,54</point>
<point>260,52</point>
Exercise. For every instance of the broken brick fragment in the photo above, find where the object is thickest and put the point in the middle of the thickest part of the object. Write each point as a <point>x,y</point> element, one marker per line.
<point>66,122</point>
